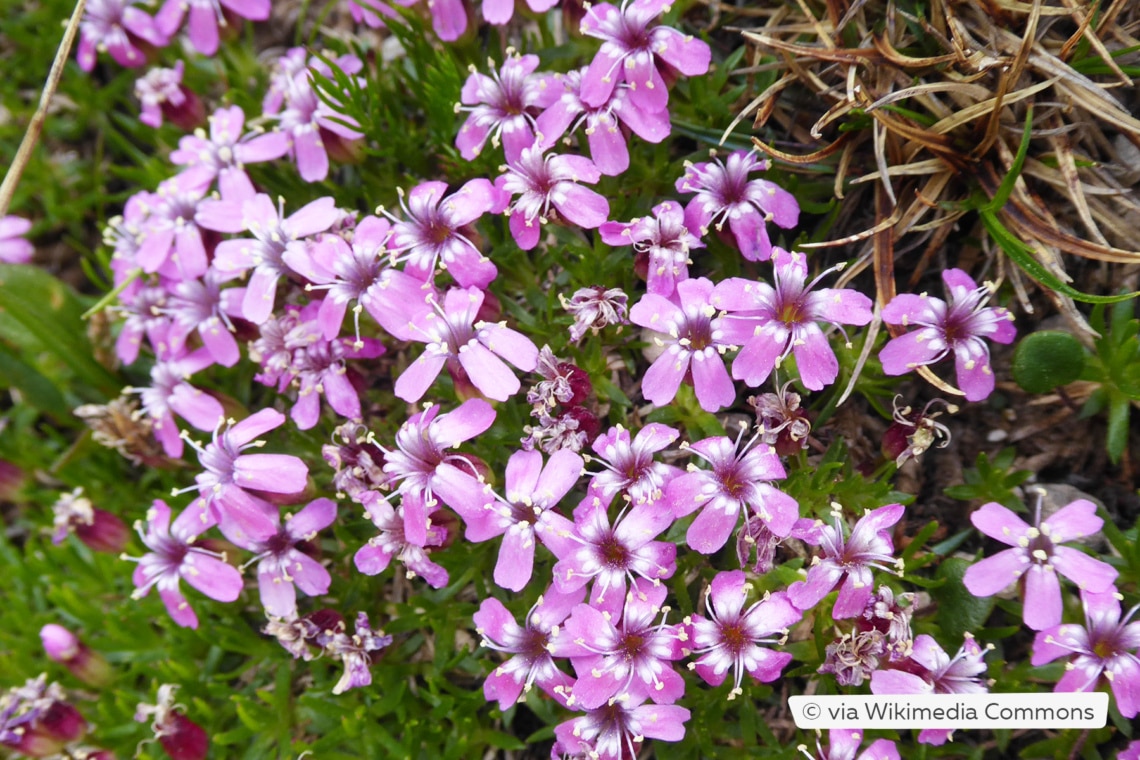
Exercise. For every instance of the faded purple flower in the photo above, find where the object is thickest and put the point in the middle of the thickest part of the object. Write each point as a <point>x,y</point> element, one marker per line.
<point>593,308</point>
<point>783,423</point>
<point>693,344</point>
<point>633,51</point>
<point>542,182</point>
<point>915,431</point>
<point>850,559</point>
<point>1037,555</point>
<point>533,645</point>
<point>99,529</point>
<point>738,481</point>
<point>854,656</point>
<point>355,653</point>
<point>498,106</point>
<point>181,737</point>
<point>770,322</point>
<point>173,558</point>
<point>956,326</point>
<point>563,383</point>
<point>730,638</point>
<point>162,95</point>
<point>357,461</point>
<point>725,194</point>
<point>1105,645</point>
<point>664,239</point>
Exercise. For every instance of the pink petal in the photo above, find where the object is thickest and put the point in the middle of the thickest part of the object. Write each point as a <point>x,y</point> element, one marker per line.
<point>1074,520</point>
<point>1043,607</point>
<point>663,378</point>
<point>904,353</point>
<point>580,205</point>
<point>999,522</point>
<point>275,473</point>
<point>488,372</point>
<point>414,382</point>
<point>255,425</point>
<point>213,577</point>
<point>710,531</point>
<point>516,560</point>
<point>203,28</point>
<point>1083,570</point>
<point>814,358</point>
<point>179,609</point>
<point>278,596</point>
<point>688,55</point>
<point>260,294</point>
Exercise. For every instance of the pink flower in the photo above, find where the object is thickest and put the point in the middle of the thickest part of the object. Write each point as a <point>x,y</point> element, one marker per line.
<point>14,249</point>
<point>225,151</point>
<point>1105,645</point>
<point>955,326</point>
<point>738,481</point>
<point>392,542</point>
<point>202,306</point>
<point>205,18</point>
<point>1038,555</point>
<point>173,558</point>
<point>533,645</point>
<point>162,94</point>
<point>171,241</point>
<point>635,53</point>
<point>850,559</point>
<point>771,322</point>
<point>844,743</point>
<point>437,232</point>
<point>725,194</point>
<point>170,393</point>
<point>282,568</point>
<point>618,729</point>
<point>629,465</point>
<point>542,182</point>
<point>664,239</point>
<point>617,657</point>
<point>693,343</point>
<point>525,515</point>
<point>499,106</point>
<point>602,123</point>
<point>469,347</point>
<point>499,12</point>
<point>119,28</point>
<point>229,475</point>
<point>730,638</point>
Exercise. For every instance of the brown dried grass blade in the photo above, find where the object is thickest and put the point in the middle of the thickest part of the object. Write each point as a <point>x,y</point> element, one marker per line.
<point>810,158</point>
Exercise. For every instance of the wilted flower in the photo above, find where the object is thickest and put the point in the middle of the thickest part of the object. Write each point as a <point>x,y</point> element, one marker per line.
<point>594,308</point>
<point>784,425</point>
<point>854,656</point>
<point>913,432</point>
<point>162,95</point>
<point>955,326</point>
<point>99,529</point>
<point>37,721</point>
<point>355,652</point>
<point>182,738</point>
<point>1037,554</point>
<point>65,647</point>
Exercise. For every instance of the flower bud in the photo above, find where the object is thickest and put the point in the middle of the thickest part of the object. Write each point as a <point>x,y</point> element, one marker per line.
<point>183,739</point>
<point>65,648</point>
<point>100,530</point>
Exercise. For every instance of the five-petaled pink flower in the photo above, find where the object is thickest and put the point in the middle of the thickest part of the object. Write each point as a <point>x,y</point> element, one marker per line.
<point>498,107</point>
<point>1105,645</point>
<point>725,194</point>
<point>634,52</point>
<point>771,322</point>
<point>1037,555</point>
<point>618,729</point>
<point>119,28</point>
<point>664,239</point>
<point>730,638</point>
<point>205,18</point>
<point>955,326</point>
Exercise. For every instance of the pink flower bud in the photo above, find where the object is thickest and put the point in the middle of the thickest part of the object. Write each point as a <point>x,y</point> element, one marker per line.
<point>65,648</point>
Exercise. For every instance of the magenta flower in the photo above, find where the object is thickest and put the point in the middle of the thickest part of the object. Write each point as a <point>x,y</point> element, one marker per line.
<point>533,645</point>
<point>119,28</point>
<point>436,232</point>
<point>772,322</point>
<point>956,326</point>
<point>1106,645</point>
<point>541,182</point>
<point>498,107</point>
<point>225,151</point>
<point>617,658</point>
<point>693,344</point>
<point>609,555</point>
<point>629,465</point>
<point>421,469</point>
<point>526,514</point>
<point>470,348</point>
<point>170,393</point>
<point>1037,554</point>
<point>849,559</point>
<point>737,482</point>
<point>603,130</point>
<point>635,53</point>
<point>664,239</point>
<point>205,18</point>
<point>171,242</point>
<point>844,743</point>
<point>273,233</point>
<point>618,730</point>
<point>730,638</point>
<point>14,249</point>
<point>202,306</point>
<point>725,194</point>
<point>392,543</point>
<point>282,568</point>
<point>173,558</point>
<point>229,476</point>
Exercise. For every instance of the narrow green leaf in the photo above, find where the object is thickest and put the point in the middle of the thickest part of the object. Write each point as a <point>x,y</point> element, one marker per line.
<point>1006,187</point>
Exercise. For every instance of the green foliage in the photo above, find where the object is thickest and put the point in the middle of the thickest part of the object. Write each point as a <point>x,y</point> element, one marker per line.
<point>1115,365</point>
<point>1047,359</point>
<point>992,480</point>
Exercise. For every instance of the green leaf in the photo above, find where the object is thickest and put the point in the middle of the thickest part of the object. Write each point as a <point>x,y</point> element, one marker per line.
<point>1006,187</point>
<point>1119,412</point>
<point>1047,359</point>
<point>960,612</point>
<point>34,388</point>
